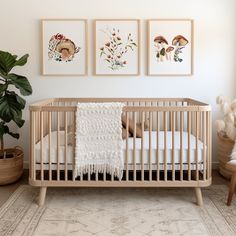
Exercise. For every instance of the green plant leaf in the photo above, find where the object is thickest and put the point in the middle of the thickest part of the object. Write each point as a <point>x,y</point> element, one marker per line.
<point>3,87</point>
<point>14,135</point>
<point>19,99</point>
<point>10,109</point>
<point>3,129</point>
<point>22,83</point>
<point>2,70</point>
<point>22,61</point>
<point>18,120</point>
<point>7,62</point>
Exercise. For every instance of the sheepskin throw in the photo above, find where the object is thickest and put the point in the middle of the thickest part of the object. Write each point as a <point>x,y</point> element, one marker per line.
<point>99,145</point>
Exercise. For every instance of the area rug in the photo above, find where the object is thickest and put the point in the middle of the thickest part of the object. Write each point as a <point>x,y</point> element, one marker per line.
<point>118,211</point>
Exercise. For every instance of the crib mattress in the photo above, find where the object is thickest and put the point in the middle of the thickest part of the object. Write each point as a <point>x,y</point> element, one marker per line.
<point>154,156</point>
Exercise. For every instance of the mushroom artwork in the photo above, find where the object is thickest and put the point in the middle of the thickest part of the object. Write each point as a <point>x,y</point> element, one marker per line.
<point>61,48</point>
<point>160,43</point>
<point>168,53</point>
<point>179,42</point>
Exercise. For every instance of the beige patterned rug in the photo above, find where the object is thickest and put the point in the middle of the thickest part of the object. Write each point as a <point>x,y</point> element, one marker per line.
<point>117,211</point>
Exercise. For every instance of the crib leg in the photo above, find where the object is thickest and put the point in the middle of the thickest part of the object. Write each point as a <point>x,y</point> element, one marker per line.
<point>42,195</point>
<point>198,193</point>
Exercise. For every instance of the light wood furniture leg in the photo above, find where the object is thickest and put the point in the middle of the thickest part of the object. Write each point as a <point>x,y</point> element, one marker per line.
<point>231,188</point>
<point>198,193</point>
<point>42,195</point>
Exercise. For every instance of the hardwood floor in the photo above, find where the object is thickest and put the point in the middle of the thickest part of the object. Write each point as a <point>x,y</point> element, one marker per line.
<point>6,191</point>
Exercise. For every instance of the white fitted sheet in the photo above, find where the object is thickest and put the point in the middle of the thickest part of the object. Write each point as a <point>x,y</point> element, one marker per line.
<point>149,156</point>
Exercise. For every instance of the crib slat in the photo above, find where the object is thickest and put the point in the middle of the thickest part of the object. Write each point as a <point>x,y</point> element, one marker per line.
<point>176,119</point>
<point>33,133</point>
<point>65,141</point>
<point>41,145</point>
<point>208,145</point>
<point>150,146</point>
<point>197,132</point>
<point>127,146</point>
<point>73,146</point>
<point>58,145</point>
<point>169,116</point>
<point>157,147</point>
<point>181,146</point>
<point>189,145</point>
<point>165,146</point>
<point>142,146</point>
<point>49,144</point>
<point>204,145</point>
<point>134,146</point>
<point>173,145</point>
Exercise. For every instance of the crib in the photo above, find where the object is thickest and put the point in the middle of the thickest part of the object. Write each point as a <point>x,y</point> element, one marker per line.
<point>167,143</point>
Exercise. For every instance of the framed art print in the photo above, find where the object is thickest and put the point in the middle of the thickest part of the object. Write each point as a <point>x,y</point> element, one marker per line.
<point>117,47</point>
<point>170,47</point>
<point>64,47</point>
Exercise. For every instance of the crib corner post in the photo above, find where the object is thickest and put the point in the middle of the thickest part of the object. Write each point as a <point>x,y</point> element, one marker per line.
<point>198,193</point>
<point>42,196</point>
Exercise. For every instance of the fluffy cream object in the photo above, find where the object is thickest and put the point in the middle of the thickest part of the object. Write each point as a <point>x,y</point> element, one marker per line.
<point>223,102</point>
<point>220,125</point>
<point>233,106</point>
<point>228,125</point>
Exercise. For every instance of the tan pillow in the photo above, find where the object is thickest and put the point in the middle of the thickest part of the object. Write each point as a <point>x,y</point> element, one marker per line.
<point>124,133</point>
<point>146,125</point>
<point>131,127</point>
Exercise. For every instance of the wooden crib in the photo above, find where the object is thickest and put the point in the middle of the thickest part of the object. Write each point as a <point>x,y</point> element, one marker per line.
<point>167,143</point>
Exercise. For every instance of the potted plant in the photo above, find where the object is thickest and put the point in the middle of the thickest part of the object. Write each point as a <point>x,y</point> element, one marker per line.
<point>11,106</point>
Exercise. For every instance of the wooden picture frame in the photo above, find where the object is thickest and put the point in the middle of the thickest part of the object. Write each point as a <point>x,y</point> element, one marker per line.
<point>170,47</point>
<point>64,47</point>
<point>117,47</point>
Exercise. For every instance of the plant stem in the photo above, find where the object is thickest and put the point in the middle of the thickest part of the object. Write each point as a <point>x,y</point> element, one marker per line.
<point>2,144</point>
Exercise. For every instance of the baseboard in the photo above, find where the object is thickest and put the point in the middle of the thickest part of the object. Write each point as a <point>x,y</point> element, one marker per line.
<point>215,165</point>
<point>26,164</point>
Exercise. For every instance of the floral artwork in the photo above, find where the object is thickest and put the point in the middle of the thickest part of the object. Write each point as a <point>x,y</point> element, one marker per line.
<point>61,48</point>
<point>170,45</point>
<point>172,52</point>
<point>117,47</point>
<point>64,47</point>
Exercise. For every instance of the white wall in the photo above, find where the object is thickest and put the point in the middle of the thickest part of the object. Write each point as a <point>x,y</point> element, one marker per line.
<point>214,47</point>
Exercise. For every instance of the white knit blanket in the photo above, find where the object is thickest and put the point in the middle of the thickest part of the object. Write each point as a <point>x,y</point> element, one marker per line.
<point>99,145</point>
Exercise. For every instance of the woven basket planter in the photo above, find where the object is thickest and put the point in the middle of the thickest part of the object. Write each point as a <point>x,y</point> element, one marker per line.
<point>11,168</point>
<point>225,146</point>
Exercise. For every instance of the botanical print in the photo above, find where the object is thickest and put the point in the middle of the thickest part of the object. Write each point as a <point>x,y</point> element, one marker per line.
<point>117,47</point>
<point>114,50</point>
<point>61,48</point>
<point>167,52</point>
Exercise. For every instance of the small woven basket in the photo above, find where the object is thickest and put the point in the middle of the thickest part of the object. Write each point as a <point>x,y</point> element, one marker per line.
<point>225,146</point>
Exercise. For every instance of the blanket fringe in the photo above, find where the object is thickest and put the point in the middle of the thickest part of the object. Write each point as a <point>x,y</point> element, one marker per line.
<point>100,168</point>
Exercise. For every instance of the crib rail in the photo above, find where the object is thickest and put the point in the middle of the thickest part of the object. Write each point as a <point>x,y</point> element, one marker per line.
<point>170,128</point>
